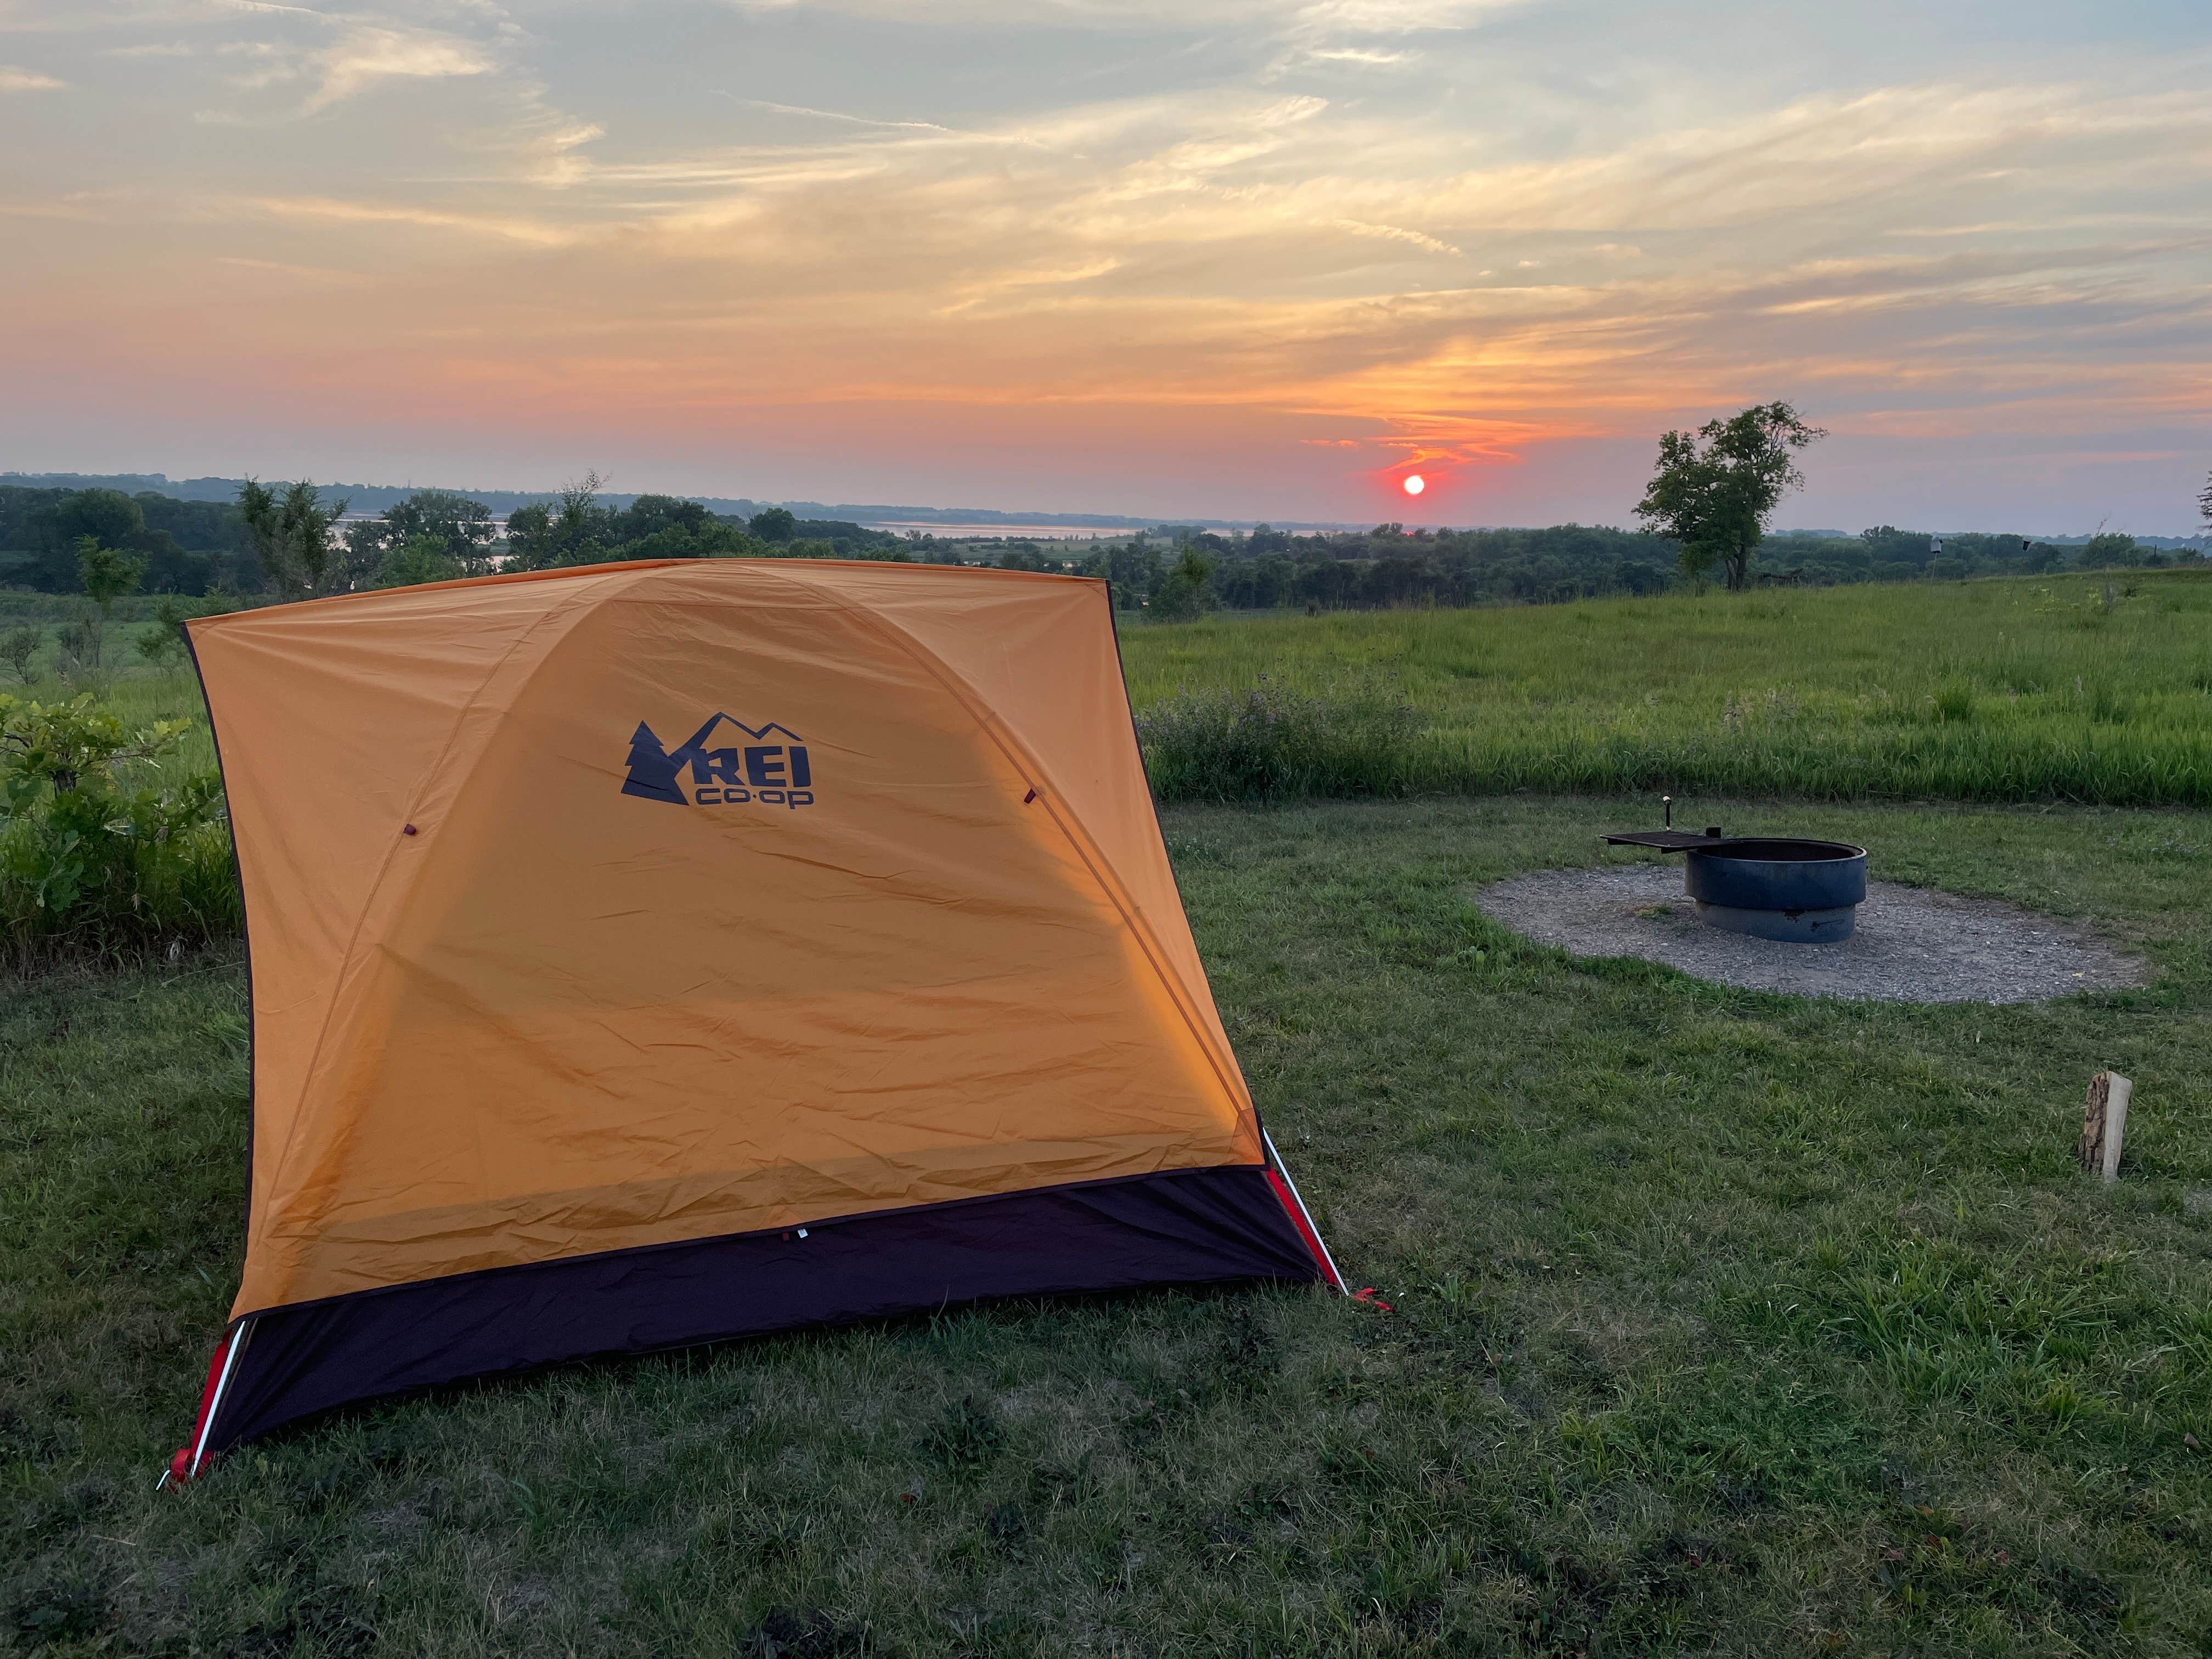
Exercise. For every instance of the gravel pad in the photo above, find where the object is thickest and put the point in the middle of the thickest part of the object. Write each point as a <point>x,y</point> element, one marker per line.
<point>1910,945</point>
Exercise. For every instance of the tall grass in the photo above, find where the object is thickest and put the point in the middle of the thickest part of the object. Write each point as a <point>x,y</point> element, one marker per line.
<point>1262,742</point>
<point>2085,689</point>
<point>2090,689</point>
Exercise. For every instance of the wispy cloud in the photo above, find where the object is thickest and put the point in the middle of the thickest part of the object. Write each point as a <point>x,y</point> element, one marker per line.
<point>1395,233</point>
<point>364,57</point>
<point>1372,57</point>
<point>839,115</point>
<point>13,79</point>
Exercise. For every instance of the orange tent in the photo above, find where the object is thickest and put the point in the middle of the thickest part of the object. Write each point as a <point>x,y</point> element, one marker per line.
<point>648,954</point>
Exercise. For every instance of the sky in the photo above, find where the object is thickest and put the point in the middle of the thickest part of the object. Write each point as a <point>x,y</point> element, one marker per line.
<point>1233,259</point>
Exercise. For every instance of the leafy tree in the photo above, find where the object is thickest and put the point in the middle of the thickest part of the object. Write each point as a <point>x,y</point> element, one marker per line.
<point>17,647</point>
<point>169,568</point>
<point>775,524</point>
<point>652,515</point>
<point>106,574</point>
<point>1182,595</point>
<point>108,516</point>
<point>420,558</point>
<point>577,531</point>
<point>714,539</point>
<point>530,537</point>
<point>1715,498</point>
<point>2108,548</point>
<point>461,530</point>
<point>1124,570</point>
<point>290,536</point>
<point>465,527</point>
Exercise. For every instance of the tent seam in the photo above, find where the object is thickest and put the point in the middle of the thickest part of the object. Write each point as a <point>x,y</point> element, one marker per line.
<point>1093,861</point>
<point>430,773</point>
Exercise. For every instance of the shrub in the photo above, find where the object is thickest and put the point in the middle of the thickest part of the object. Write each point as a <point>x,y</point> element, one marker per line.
<point>99,852</point>
<point>18,646</point>
<point>1183,595</point>
<point>1266,742</point>
<point>162,641</point>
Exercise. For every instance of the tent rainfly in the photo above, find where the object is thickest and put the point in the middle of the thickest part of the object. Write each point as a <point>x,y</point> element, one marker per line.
<point>651,954</point>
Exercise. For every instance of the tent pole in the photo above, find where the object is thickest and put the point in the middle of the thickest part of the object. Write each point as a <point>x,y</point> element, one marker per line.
<point>1276,1158</point>
<point>215,1405</point>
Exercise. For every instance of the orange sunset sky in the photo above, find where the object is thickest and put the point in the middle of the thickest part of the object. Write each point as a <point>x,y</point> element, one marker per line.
<point>1220,257</point>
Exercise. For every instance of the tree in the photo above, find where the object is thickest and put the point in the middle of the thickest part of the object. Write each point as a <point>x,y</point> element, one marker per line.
<point>1182,595</point>
<point>1715,498</point>
<point>2204,504</point>
<point>2109,548</point>
<point>455,535</point>
<point>775,524</point>
<point>418,559</point>
<point>106,574</point>
<point>465,527</point>
<point>17,647</point>
<point>109,516</point>
<point>290,535</point>
<point>578,531</point>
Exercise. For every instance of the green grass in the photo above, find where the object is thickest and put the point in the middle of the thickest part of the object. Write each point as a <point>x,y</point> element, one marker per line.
<point>1724,1322</point>
<point>2090,689</point>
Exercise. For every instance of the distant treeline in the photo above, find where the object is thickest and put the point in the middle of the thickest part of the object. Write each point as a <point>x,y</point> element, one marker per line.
<point>198,548</point>
<point>1387,566</point>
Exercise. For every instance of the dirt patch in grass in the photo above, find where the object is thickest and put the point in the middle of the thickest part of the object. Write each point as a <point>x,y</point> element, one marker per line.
<point>1912,945</point>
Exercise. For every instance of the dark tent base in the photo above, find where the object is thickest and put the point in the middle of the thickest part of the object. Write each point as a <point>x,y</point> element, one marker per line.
<point>1185,1227</point>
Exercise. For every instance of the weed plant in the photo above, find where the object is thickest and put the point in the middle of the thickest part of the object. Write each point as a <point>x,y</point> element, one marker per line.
<point>102,851</point>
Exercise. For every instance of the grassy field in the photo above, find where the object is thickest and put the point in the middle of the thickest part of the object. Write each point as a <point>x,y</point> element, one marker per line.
<point>1724,1322</point>
<point>2094,688</point>
<point>2088,688</point>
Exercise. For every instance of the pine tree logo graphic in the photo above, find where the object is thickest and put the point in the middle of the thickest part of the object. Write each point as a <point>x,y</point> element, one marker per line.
<point>652,772</point>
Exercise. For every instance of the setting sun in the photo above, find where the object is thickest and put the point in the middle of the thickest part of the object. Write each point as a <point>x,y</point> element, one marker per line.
<point>1415,483</point>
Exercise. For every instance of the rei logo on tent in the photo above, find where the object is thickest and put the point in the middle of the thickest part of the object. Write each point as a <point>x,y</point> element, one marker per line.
<point>772,769</point>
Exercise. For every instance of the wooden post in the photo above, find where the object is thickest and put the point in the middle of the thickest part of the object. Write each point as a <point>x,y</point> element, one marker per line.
<point>2104,1124</point>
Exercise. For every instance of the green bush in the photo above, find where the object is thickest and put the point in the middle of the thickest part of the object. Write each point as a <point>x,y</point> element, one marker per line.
<point>100,851</point>
<point>1268,743</point>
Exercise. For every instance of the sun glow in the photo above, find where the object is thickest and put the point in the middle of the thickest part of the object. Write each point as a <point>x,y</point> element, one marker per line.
<point>1415,483</point>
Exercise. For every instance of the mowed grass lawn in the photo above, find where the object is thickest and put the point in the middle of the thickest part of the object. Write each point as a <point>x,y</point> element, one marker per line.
<point>1723,1322</point>
<point>2094,688</point>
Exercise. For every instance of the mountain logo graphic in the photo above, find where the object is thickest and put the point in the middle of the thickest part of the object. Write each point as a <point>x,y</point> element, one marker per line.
<point>766,765</point>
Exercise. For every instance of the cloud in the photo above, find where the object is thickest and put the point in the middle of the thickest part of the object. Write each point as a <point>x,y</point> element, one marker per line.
<point>837,115</point>
<point>504,227</point>
<point>1395,233</point>
<point>365,56</point>
<point>13,79</point>
<point>1373,57</point>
